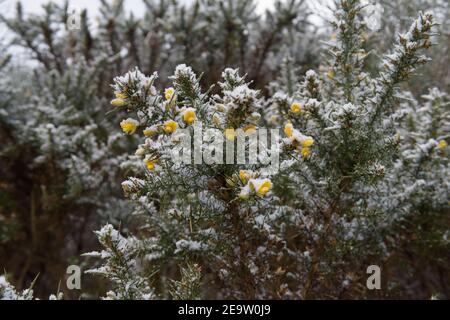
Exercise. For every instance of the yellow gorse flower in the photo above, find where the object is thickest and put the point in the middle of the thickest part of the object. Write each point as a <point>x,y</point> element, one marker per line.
<point>442,144</point>
<point>261,186</point>
<point>170,127</point>
<point>308,142</point>
<point>150,164</point>
<point>305,152</point>
<point>121,95</point>
<point>289,129</point>
<point>265,187</point>
<point>244,176</point>
<point>296,107</point>
<point>168,93</point>
<point>189,116</point>
<point>129,126</point>
<point>118,102</point>
<point>230,134</point>
<point>251,128</point>
<point>150,132</point>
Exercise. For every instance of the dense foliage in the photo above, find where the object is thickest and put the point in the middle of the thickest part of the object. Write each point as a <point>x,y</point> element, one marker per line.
<point>361,141</point>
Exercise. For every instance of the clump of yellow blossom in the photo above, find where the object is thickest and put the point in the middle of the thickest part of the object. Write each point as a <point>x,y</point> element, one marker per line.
<point>244,176</point>
<point>168,93</point>
<point>305,152</point>
<point>189,116</point>
<point>289,129</point>
<point>170,126</point>
<point>442,144</point>
<point>121,95</point>
<point>249,129</point>
<point>260,186</point>
<point>129,126</point>
<point>150,163</point>
<point>230,134</point>
<point>150,132</point>
<point>302,142</point>
<point>296,107</point>
<point>307,142</point>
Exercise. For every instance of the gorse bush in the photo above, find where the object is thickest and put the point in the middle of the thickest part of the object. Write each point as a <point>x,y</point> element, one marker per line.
<point>395,18</point>
<point>351,157</point>
<point>61,155</point>
<point>349,169</point>
<point>59,176</point>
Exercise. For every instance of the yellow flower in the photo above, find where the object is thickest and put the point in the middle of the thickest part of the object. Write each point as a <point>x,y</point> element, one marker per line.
<point>251,128</point>
<point>150,132</point>
<point>261,186</point>
<point>244,176</point>
<point>308,142</point>
<point>230,134</point>
<point>168,93</point>
<point>442,144</point>
<point>330,74</point>
<point>289,129</point>
<point>306,152</point>
<point>170,127</point>
<point>189,116</point>
<point>150,164</point>
<point>129,126</point>
<point>121,95</point>
<point>296,107</point>
<point>118,102</point>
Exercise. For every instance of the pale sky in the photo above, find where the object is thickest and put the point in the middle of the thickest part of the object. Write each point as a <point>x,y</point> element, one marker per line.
<point>135,6</point>
<point>7,7</point>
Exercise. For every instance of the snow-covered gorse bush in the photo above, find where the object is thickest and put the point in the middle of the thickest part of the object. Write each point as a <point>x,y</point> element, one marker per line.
<point>415,195</point>
<point>364,172</point>
<point>8,292</point>
<point>59,154</point>
<point>363,175</point>
<point>60,159</point>
<point>395,18</point>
